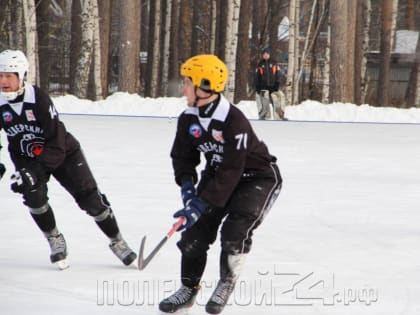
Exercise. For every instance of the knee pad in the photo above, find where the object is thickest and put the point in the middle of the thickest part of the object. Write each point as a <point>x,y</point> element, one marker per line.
<point>237,247</point>
<point>236,233</point>
<point>192,248</point>
<point>93,202</point>
<point>36,198</point>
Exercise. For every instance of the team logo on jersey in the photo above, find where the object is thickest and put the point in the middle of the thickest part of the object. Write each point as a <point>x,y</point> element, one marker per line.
<point>7,117</point>
<point>195,131</point>
<point>31,145</point>
<point>218,135</point>
<point>30,115</point>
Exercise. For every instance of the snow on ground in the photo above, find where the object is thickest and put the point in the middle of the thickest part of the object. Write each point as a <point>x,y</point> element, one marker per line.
<point>341,239</point>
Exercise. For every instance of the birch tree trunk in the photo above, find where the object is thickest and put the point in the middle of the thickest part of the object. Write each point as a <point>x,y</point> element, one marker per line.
<point>326,70</point>
<point>97,60</point>
<point>213,26</point>
<point>296,55</point>
<point>84,61</point>
<point>393,23</point>
<point>231,46</point>
<point>366,14</point>
<point>155,43</point>
<point>292,52</point>
<point>166,49</point>
<point>307,41</point>
<point>31,40</point>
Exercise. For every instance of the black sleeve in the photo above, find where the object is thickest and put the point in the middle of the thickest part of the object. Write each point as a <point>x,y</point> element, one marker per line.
<point>54,150</point>
<point>185,157</point>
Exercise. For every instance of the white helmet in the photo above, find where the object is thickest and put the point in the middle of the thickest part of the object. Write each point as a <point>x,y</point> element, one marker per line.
<point>14,61</point>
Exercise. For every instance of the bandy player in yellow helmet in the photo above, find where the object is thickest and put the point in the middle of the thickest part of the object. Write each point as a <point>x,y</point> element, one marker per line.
<point>236,189</point>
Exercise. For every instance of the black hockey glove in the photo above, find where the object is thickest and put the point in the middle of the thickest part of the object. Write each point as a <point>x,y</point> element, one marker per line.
<point>25,180</point>
<point>191,212</point>
<point>187,192</point>
<point>2,170</point>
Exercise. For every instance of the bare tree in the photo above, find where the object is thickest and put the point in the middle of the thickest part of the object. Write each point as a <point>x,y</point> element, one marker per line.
<point>363,25</point>
<point>327,66</point>
<point>201,28</point>
<point>231,45</point>
<point>128,61</point>
<point>343,30</point>
<point>293,66</point>
<point>413,90</point>
<point>166,48</point>
<point>144,46</point>
<point>83,25</point>
<point>394,18</point>
<point>185,27</point>
<point>104,9</point>
<point>213,26</point>
<point>243,58</point>
<point>385,54</point>
<point>31,40</point>
<point>173,30</point>
<point>411,13</point>
<point>96,73</point>
<point>174,59</point>
<point>42,16</point>
<point>310,37</point>
<point>16,20</point>
<point>154,43</point>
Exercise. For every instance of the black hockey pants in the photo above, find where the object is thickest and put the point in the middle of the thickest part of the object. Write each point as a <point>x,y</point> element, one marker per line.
<point>75,176</point>
<point>244,212</point>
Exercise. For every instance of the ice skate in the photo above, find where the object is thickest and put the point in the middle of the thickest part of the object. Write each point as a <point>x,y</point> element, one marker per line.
<point>220,296</point>
<point>183,298</point>
<point>121,249</point>
<point>58,250</point>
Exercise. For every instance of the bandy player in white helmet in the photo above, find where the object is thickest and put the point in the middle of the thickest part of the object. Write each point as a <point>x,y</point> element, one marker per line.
<point>41,147</point>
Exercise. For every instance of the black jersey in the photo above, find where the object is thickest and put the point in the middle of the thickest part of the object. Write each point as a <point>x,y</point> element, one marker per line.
<point>229,144</point>
<point>34,130</point>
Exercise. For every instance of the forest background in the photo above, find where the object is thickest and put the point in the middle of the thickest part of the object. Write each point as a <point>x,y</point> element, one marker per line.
<point>355,51</point>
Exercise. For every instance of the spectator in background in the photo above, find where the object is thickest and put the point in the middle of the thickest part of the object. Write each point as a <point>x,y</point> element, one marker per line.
<point>268,77</point>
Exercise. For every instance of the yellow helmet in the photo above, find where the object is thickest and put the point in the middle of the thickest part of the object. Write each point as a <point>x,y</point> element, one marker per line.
<point>207,72</point>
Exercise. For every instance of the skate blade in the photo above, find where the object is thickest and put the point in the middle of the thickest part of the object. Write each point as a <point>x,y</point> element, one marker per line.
<point>62,264</point>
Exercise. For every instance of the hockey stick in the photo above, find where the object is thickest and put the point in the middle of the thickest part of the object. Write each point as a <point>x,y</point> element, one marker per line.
<point>143,262</point>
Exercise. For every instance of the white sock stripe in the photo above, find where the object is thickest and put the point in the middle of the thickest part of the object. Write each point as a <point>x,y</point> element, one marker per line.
<point>103,215</point>
<point>40,210</point>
